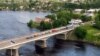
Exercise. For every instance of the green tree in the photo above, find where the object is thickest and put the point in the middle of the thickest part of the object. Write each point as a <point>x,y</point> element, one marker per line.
<point>45,25</point>
<point>32,24</point>
<point>76,16</point>
<point>97,21</point>
<point>52,17</point>
<point>56,23</point>
<point>64,14</point>
<point>80,32</point>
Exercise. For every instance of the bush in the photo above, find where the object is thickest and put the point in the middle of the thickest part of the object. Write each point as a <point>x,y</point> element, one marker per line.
<point>80,32</point>
<point>76,16</point>
<point>85,18</point>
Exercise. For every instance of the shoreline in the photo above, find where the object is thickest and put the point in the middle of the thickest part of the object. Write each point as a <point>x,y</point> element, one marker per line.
<point>86,42</point>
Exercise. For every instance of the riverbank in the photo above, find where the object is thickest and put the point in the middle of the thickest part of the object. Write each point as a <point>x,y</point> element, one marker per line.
<point>92,36</point>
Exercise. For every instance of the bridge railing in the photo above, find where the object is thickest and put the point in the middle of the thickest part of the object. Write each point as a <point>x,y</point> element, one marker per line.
<point>47,31</point>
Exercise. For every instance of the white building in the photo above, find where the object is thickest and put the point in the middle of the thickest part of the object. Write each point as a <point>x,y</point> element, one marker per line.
<point>91,12</point>
<point>78,11</point>
<point>75,22</point>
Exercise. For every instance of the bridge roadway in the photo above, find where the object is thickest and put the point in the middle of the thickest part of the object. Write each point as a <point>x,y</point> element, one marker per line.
<point>29,38</point>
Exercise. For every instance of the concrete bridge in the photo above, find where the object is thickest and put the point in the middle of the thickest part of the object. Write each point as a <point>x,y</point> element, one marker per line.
<point>12,45</point>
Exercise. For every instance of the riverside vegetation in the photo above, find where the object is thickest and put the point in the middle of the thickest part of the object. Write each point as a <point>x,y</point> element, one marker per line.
<point>90,32</point>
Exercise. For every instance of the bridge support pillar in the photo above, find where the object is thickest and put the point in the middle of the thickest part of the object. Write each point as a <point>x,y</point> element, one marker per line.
<point>44,44</point>
<point>41,43</point>
<point>68,35</point>
<point>12,52</point>
<point>65,36</point>
<point>40,47</point>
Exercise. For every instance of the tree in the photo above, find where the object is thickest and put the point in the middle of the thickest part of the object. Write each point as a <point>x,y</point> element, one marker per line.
<point>64,14</point>
<point>52,17</point>
<point>32,24</point>
<point>76,16</point>
<point>56,23</point>
<point>97,21</point>
<point>80,32</point>
<point>45,25</point>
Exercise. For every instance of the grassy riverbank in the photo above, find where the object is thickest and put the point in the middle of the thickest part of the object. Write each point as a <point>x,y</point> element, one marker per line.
<point>93,34</point>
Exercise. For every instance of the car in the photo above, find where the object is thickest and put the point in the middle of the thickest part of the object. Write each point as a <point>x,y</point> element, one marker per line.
<point>29,37</point>
<point>36,34</point>
<point>12,41</point>
<point>54,30</point>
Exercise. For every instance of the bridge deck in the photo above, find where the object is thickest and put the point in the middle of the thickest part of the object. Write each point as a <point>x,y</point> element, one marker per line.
<point>25,39</point>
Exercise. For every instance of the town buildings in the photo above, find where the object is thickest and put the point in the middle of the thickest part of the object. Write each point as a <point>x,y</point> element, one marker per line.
<point>27,1</point>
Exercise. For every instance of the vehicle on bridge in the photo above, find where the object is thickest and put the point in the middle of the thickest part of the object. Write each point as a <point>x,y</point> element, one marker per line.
<point>12,41</point>
<point>54,30</point>
<point>29,37</point>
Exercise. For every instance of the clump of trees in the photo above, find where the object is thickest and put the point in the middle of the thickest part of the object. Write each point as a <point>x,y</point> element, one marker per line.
<point>86,5</point>
<point>58,19</point>
<point>97,21</point>
<point>80,32</point>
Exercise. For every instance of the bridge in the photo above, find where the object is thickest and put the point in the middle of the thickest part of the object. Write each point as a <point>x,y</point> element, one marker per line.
<point>12,45</point>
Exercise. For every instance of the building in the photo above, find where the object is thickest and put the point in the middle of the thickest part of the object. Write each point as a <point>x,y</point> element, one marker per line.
<point>47,20</point>
<point>38,20</point>
<point>91,12</point>
<point>24,1</point>
<point>14,1</point>
<point>78,11</point>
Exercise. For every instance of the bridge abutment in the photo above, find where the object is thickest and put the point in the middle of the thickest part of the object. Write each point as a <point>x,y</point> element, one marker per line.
<point>40,46</point>
<point>41,43</point>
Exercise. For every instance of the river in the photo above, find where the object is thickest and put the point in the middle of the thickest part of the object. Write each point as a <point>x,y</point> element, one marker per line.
<point>14,23</point>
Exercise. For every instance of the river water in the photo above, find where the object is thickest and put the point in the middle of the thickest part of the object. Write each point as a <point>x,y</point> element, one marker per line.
<point>14,23</point>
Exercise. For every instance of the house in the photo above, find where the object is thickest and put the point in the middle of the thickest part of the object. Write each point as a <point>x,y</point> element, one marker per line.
<point>47,20</point>
<point>38,20</point>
